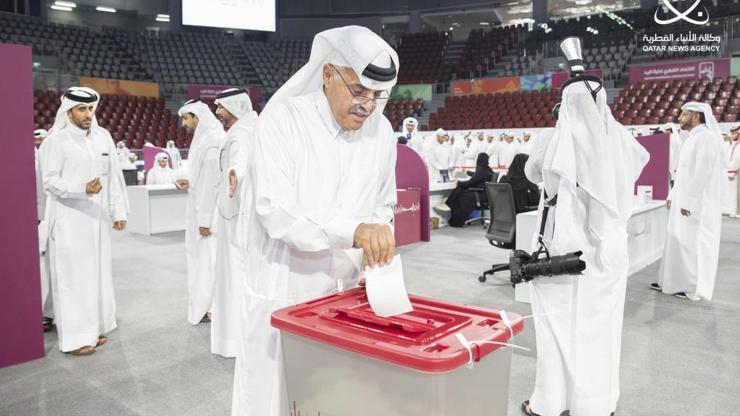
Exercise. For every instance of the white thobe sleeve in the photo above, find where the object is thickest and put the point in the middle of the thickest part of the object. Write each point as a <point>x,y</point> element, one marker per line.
<point>704,161</point>
<point>207,188</point>
<point>275,194</point>
<point>53,158</point>
<point>533,167</point>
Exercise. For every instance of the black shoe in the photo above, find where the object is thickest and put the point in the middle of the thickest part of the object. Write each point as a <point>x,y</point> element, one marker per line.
<point>681,295</point>
<point>47,323</point>
<point>655,286</point>
<point>205,319</point>
<point>526,411</point>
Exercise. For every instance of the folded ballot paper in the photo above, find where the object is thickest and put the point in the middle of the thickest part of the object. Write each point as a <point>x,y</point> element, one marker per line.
<point>386,290</point>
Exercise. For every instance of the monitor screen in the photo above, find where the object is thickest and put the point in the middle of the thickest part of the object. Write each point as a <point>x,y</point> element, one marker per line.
<point>230,14</point>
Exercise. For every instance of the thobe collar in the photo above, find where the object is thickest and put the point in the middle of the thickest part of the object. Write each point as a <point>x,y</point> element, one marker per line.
<point>698,129</point>
<point>78,132</point>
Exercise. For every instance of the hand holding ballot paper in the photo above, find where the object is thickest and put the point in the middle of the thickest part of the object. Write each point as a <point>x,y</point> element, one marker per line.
<point>386,290</point>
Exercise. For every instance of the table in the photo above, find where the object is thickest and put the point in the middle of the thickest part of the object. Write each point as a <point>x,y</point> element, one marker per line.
<point>156,208</point>
<point>646,231</point>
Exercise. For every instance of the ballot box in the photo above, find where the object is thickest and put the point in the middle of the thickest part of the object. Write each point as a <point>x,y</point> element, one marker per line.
<point>341,359</point>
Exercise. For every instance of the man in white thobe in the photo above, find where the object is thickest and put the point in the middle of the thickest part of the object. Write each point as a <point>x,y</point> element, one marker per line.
<point>477,145</point>
<point>122,152</point>
<point>730,195</point>
<point>507,149</point>
<point>174,153</point>
<point>674,150</point>
<point>47,322</point>
<point>439,159</point>
<point>201,179</point>
<point>323,178</point>
<point>492,149</point>
<point>591,164</point>
<point>691,253</point>
<point>86,194</point>
<point>236,114</point>
<point>526,145</point>
<point>161,173</point>
<point>457,152</point>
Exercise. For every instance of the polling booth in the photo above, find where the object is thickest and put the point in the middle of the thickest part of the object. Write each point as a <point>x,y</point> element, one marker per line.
<point>156,208</point>
<point>21,333</point>
<point>412,184</point>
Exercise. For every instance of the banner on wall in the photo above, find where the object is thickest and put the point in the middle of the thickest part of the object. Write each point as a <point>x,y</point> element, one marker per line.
<point>121,87</point>
<point>559,78</point>
<point>412,91</point>
<point>209,92</point>
<point>710,68</point>
<point>536,82</point>
<point>485,86</point>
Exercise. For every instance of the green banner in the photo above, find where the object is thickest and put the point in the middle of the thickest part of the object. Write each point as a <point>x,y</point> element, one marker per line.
<point>412,91</point>
<point>735,67</point>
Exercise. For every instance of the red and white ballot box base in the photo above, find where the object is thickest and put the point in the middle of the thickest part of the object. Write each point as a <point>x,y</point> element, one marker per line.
<point>343,360</point>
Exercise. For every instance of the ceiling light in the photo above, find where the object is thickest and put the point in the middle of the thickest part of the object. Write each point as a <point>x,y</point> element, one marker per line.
<point>451,27</point>
<point>163,16</point>
<point>485,24</point>
<point>105,9</point>
<point>65,4</point>
<point>63,8</point>
<point>163,19</point>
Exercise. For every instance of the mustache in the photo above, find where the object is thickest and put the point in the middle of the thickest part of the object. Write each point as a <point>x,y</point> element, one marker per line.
<point>359,110</point>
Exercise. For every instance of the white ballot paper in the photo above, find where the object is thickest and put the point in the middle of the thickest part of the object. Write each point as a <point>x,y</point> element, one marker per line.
<point>386,289</point>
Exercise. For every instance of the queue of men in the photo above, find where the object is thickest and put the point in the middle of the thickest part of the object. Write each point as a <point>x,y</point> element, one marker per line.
<point>289,206</point>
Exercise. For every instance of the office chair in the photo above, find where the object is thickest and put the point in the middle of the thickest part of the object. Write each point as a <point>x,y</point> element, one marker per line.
<point>502,230</point>
<point>482,204</point>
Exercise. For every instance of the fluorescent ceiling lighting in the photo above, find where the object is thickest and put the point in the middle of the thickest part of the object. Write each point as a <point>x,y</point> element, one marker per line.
<point>65,4</point>
<point>485,24</point>
<point>162,19</point>
<point>63,8</point>
<point>163,16</point>
<point>105,9</point>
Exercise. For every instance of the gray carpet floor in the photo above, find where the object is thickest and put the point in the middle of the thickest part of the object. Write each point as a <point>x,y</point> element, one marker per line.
<point>678,357</point>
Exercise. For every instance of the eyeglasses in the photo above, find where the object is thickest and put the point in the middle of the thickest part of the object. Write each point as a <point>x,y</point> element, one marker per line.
<point>359,98</point>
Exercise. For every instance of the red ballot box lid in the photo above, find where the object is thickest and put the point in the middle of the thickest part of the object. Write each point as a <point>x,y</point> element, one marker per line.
<point>423,339</point>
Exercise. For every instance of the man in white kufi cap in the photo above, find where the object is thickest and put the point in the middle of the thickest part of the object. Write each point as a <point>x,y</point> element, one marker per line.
<point>87,195</point>
<point>200,179</point>
<point>323,178</point>
<point>691,253</point>
<point>235,113</point>
<point>588,172</point>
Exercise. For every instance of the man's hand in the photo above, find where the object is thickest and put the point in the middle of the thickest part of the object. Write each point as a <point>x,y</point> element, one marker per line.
<point>685,212</point>
<point>93,187</point>
<point>204,231</point>
<point>119,225</point>
<point>182,183</point>
<point>233,182</point>
<point>668,203</point>
<point>377,243</point>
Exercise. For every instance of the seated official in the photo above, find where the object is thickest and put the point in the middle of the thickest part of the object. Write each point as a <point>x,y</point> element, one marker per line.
<point>461,201</point>
<point>526,193</point>
<point>161,173</point>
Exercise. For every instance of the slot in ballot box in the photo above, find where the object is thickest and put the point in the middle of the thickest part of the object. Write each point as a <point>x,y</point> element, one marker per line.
<point>342,359</point>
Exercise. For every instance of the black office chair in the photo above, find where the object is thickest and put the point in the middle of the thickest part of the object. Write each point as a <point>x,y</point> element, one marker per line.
<point>482,204</point>
<point>502,230</point>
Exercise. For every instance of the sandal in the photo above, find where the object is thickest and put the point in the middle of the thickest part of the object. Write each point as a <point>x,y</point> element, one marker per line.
<point>527,410</point>
<point>101,341</point>
<point>82,351</point>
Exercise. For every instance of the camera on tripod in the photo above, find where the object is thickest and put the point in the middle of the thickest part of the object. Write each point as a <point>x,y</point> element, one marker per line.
<point>524,267</point>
